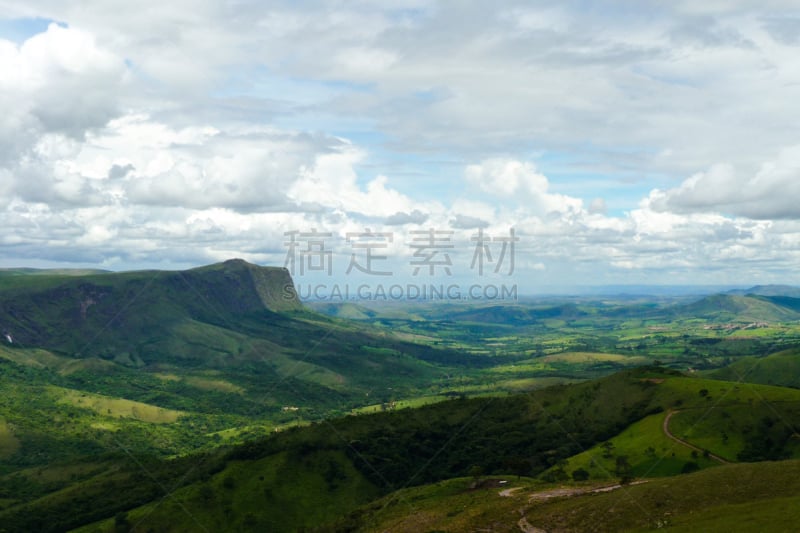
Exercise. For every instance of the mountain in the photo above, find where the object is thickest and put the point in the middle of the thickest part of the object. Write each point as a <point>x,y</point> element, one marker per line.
<point>782,369</point>
<point>735,308</point>
<point>108,314</point>
<point>347,310</point>
<point>216,316</point>
<point>173,362</point>
<point>769,290</point>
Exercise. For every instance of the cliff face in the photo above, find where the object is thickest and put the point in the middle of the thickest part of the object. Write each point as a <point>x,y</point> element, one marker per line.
<point>101,314</point>
<point>239,286</point>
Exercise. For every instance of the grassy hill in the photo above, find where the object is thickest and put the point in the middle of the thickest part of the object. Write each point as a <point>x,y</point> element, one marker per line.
<point>782,369</point>
<point>378,453</point>
<point>353,460</point>
<point>735,308</point>
<point>731,498</point>
<point>347,310</point>
<point>733,421</point>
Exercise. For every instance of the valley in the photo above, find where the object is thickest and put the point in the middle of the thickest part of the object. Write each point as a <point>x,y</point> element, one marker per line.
<point>212,399</point>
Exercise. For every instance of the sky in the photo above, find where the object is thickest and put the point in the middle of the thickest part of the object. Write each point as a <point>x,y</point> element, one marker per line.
<point>531,143</point>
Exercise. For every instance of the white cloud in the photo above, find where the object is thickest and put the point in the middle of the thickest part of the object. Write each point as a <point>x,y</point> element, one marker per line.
<point>57,81</point>
<point>769,193</point>
<point>151,132</point>
<point>510,179</point>
<point>332,182</point>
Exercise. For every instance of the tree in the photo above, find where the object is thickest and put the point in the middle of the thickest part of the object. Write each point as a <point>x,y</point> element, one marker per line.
<point>580,475</point>
<point>622,468</point>
<point>121,524</point>
<point>690,466</point>
<point>475,473</point>
<point>608,449</point>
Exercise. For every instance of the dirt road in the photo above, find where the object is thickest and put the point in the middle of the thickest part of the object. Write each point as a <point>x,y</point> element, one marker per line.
<point>665,427</point>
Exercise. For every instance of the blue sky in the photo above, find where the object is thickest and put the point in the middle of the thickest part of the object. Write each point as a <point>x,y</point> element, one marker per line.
<point>624,143</point>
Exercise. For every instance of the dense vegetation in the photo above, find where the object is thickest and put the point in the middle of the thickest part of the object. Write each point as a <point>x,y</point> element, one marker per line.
<point>207,399</point>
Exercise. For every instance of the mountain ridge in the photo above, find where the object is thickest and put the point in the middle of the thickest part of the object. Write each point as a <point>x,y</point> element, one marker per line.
<point>69,314</point>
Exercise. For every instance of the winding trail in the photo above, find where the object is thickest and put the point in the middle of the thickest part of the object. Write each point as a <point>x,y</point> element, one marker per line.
<point>526,526</point>
<point>668,433</point>
<point>561,492</point>
<point>544,495</point>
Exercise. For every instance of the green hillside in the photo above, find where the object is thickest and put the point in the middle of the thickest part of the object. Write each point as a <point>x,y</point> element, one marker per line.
<point>731,421</point>
<point>282,492</point>
<point>227,349</point>
<point>523,433</point>
<point>782,369</point>
<point>212,399</point>
<point>731,498</point>
<point>551,433</point>
<point>224,315</point>
<point>735,308</point>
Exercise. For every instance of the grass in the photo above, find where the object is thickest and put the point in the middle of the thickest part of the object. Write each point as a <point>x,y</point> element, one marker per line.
<point>724,431</point>
<point>776,514</point>
<point>782,369</point>
<point>117,407</point>
<point>731,498</point>
<point>593,357</point>
<point>279,493</point>
<point>721,417</point>
<point>647,449</point>
<point>9,444</point>
<point>748,492</point>
<point>45,359</point>
<point>461,504</point>
<point>220,385</point>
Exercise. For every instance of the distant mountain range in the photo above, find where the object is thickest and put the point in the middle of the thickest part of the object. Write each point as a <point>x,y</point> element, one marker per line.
<point>763,303</point>
<point>769,290</point>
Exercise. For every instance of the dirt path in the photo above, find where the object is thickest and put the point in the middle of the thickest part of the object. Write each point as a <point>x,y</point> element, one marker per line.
<point>526,527</point>
<point>544,495</point>
<point>665,427</point>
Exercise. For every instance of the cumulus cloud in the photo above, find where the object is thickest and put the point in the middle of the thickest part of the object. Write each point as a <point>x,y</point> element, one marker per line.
<point>597,206</point>
<point>508,178</point>
<point>141,133</point>
<point>401,218</point>
<point>771,192</point>
<point>59,81</point>
<point>468,222</point>
<point>120,171</point>
<point>332,181</point>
